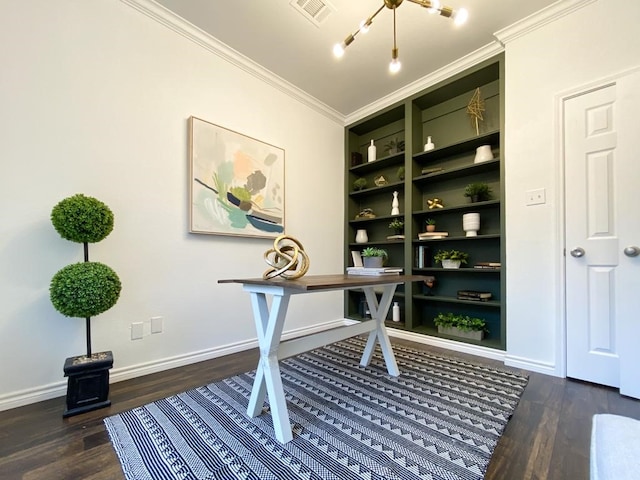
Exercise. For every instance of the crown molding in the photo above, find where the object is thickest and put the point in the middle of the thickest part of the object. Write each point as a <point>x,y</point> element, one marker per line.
<point>179,25</point>
<point>488,51</point>
<point>539,19</point>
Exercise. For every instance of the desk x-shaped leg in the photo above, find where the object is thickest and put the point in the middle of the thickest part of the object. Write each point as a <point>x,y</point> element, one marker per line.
<point>269,325</point>
<point>378,314</point>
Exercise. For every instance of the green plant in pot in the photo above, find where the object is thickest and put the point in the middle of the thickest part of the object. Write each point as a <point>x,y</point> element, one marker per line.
<point>360,183</point>
<point>373,257</point>
<point>460,325</point>
<point>397,226</point>
<point>431,224</point>
<point>394,146</point>
<point>84,290</point>
<point>451,258</point>
<point>478,192</point>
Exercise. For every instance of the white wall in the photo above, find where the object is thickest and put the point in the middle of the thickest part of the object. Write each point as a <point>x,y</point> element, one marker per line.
<point>94,99</point>
<point>594,42</point>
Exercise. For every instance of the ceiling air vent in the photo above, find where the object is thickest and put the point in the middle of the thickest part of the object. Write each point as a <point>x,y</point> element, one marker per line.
<point>316,11</point>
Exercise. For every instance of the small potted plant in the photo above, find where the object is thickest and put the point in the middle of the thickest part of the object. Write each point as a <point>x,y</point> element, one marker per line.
<point>360,183</point>
<point>373,257</point>
<point>431,225</point>
<point>462,326</point>
<point>397,226</point>
<point>394,146</point>
<point>451,258</point>
<point>478,192</point>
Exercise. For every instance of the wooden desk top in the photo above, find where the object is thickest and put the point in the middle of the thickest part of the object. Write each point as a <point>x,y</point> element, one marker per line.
<point>328,282</point>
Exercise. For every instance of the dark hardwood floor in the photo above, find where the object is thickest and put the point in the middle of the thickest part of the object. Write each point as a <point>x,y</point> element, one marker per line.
<point>547,438</point>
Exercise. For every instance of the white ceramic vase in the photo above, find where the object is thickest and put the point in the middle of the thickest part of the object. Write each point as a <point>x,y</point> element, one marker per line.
<point>371,152</point>
<point>429,145</point>
<point>471,224</point>
<point>395,312</point>
<point>483,153</point>
<point>361,236</point>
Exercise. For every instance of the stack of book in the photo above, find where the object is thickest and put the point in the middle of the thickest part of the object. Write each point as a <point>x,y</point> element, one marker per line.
<point>374,271</point>
<point>474,295</point>
<point>493,265</point>
<point>432,235</point>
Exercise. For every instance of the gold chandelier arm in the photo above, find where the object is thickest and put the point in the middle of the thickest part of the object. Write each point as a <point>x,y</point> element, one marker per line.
<point>434,6</point>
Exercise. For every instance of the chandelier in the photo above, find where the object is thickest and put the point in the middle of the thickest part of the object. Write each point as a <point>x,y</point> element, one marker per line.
<point>433,6</point>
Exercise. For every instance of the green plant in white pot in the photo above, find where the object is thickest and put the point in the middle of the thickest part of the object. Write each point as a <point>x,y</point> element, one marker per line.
<point>373,257</point>
<point>451,258</point>
<point>460,325</point>
<point>84,290</point>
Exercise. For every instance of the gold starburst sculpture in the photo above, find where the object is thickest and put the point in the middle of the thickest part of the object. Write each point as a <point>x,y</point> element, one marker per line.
<point>475,109</point>
<point>287,259</point>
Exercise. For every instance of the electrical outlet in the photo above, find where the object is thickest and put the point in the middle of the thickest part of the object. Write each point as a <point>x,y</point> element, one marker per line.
<point>536,197</point>
<point>156,324</point>
<point>137,330</point>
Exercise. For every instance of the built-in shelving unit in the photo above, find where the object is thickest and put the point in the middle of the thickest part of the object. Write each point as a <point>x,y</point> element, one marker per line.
<point>438,112</point>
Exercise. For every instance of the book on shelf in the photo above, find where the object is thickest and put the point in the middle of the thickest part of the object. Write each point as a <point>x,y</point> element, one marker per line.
<point>473,295</point>
<point>473,299</point>
<point>493,265</point>
<point>431,171</point>
<point>374,271</point>
<point>395,237</point>
<point>422,257</point>
<point>432,235</point>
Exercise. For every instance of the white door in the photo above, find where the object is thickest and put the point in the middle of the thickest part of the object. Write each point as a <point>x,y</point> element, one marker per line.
<point>602,199</point>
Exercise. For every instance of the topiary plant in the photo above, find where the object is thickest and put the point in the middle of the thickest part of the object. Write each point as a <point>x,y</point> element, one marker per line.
<point>84,289</point>
<point>87,288</point>
<point>82,219</point>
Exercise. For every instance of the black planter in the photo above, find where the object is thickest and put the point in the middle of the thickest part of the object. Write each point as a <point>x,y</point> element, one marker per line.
<point>88,383</point>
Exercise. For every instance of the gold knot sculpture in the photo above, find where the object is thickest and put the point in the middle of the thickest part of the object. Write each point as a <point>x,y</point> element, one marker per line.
<point>434,203</point>
<point>287,259</point>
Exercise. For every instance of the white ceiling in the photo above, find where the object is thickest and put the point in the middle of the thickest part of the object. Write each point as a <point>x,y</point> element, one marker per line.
<point>276,36</point>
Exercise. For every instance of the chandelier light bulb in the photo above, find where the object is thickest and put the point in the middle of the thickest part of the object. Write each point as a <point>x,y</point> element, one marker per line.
<point>338,50</point>
<point>394,65</point>
<point>460,16</point>
<point>435,6</point>
<point>364,26</point>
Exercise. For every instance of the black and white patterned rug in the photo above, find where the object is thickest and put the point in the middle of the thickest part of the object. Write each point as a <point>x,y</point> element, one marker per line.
<point>440,419</point>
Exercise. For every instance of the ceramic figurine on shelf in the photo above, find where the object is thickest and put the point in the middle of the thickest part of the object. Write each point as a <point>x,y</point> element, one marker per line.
<point>395,210</point>
<point>429,145</point>
<point>429,283</point>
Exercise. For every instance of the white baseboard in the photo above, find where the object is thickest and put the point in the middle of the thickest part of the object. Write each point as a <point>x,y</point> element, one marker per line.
<point>448,344</point>
<point>59,389</point>
<point>531,365</point>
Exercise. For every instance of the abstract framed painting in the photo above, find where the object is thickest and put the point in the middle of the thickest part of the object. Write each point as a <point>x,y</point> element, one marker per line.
<point>236,183</point>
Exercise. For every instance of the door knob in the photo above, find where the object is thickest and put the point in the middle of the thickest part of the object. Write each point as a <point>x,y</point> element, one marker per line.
<point>577,252</point>
<point>632,251</point>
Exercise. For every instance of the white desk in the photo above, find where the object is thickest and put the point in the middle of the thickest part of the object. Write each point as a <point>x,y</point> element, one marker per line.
<point>269,325</point>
